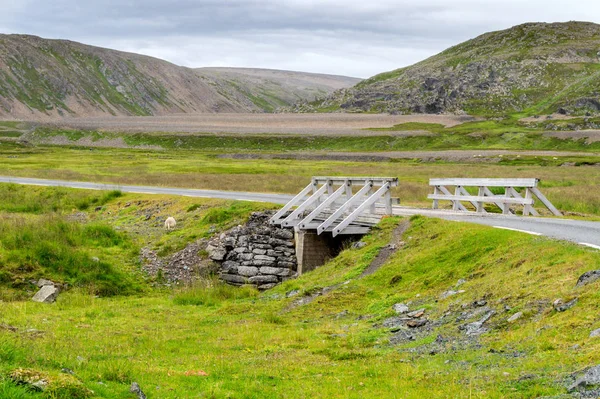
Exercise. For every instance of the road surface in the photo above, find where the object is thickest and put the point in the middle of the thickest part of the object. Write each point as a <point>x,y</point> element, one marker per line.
<point>578,231</point>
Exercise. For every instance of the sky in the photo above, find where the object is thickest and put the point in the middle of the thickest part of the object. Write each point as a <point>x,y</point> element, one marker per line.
<point>357,38</point>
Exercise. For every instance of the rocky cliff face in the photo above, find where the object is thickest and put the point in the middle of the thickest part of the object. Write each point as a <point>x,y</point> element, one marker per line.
<point>42,79</point>
<point>530,68</point>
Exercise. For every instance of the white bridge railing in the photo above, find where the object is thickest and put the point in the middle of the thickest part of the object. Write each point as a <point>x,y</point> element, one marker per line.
<point>511,195</point>
<point>333,206</point>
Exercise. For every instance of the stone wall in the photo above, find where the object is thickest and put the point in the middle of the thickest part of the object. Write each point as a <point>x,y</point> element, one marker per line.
<point>257,253</point>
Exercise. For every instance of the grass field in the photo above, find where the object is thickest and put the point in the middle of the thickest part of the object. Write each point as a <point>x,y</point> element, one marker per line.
<point>114,325</point>
<point>568,187</point>
<point>220,342</point>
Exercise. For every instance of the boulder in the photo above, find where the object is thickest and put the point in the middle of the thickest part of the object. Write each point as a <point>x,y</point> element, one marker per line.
<point>135,388</point>
<point>42,282</point>
<point>595,333</point>
<point>588,277</point>
<point>359,245</point>
<point>590,378</point>
<point>400,308</point>
<point>216,253</point>
<point>561,307</point>
<point>515,317</point>
<point>46,294</point>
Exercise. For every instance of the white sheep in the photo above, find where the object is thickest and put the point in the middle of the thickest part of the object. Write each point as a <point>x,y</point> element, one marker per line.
<point>170,223</point>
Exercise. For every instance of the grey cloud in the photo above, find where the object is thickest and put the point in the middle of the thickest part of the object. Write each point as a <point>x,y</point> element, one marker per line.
<point>334,36</point>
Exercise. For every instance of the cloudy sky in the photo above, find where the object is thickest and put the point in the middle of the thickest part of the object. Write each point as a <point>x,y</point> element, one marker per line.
<point>347,37</point>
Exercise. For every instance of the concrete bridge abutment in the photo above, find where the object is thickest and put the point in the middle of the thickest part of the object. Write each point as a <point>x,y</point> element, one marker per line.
<point>314,250</point>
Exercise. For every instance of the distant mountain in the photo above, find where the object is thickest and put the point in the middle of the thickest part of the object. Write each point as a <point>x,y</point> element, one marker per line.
<point>42,78</point>
<point>270,89</point>
<point>531,68</point>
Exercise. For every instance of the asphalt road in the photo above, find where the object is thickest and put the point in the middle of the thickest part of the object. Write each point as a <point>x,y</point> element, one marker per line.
<point>578,231</point>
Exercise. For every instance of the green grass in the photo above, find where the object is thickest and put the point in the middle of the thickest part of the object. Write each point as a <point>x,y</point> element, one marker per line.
<point>252,345</point>
<point>64,252</point>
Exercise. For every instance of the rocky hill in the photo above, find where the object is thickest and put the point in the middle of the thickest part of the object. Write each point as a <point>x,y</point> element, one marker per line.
<point>531,68</point>
<point>42,79</point>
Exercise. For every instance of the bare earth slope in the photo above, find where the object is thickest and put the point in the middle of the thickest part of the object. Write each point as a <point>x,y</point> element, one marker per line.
<point>531,68</point>
<point>46,79</point>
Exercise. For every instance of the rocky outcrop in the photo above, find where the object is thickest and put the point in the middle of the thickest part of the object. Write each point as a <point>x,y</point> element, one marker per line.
<point>257,253</point>
<point>184,266</point>
<point>494,74</point>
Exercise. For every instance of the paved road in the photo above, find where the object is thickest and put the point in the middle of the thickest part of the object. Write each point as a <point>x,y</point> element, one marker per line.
<point>582,232</point>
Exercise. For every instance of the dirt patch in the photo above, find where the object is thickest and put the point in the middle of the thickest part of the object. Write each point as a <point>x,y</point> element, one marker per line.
<point>556,116</point>
<point>386,252</point>
<point>305,124</point>
<point>590,136</point>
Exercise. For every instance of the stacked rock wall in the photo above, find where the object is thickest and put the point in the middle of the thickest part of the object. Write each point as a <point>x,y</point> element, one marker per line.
<point>256,253</point>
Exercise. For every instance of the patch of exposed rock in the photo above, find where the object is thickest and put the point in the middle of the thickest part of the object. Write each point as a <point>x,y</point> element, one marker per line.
<point>184,266</point>
<point>257,253</point>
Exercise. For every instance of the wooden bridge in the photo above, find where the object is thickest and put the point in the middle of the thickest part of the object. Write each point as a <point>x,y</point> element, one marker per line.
<point>330,204</point>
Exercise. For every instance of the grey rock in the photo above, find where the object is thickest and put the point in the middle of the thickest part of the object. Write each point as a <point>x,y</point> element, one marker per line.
<point>277,271</point>
<point>477,327</point>
<point>284,234</point>
<point>259,251</point>
<point>416,313</point>
<point>233,278</point>
<point>230,267</point>
<point>246,256</point>
<point>400,308</point>
<point>46,294</point>
<point>395,323</point>
<point>274,253</point>
<point>135,388</point>
<point>266,286</point>
<point>258,262</point>
<point>42,282</point>
<point>95,259</point>
<point>263,279</point>
<point>247,271</point>
<point>240,250</point>
<point>359,245</point>
<point>416,323</point>
<point>460,282</point>
<point>588,277</point>
<point>288,265</point>
<point>561,307</point>
<point>216,253</point>
<point>450,293</point>
<point>590,378</point>
<point>515,317</point>
<point>595,333</point>
<point>292,293</point>
<point>263,246</point>
<point>265,258</point>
